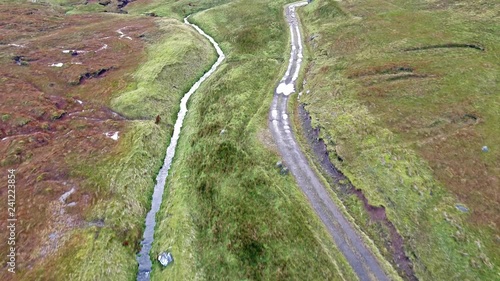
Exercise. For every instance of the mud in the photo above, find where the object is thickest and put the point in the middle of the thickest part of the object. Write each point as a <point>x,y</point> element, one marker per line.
<point>449,45</point>
<point>395,69</point>
<point>376,213</point>
<point>95,74</point>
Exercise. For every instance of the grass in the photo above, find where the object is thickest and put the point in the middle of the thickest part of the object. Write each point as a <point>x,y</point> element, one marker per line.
<point>128,177</point>
<point>178,9</point>
<point>121,183</point>
<point>227,213</point>
<point>167,75</point>
<point>400,122</point>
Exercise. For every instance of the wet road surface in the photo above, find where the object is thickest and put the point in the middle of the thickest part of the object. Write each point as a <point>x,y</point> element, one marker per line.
<point>363,262</point>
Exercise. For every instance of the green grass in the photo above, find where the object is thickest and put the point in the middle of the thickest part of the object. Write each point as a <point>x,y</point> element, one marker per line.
<point>122,183</point>
<point>402,140</point>
<point>167,75</point>
<point>173,9</point>
<point>227,214</point>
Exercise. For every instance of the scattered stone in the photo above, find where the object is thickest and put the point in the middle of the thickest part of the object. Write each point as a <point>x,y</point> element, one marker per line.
<point>53,236</point>
<point>314,36</point>
<point>104,47</point>
<point>284,171</point>
<point>485,149</point>
<point>165,258</point>
<point>114,136</point>
<point>20,60</point>
<point>59,64</point>
<point>16,45</point>
<point>223,131</point>
<point>72,204</point>
<point>461,208</point>
<point>65,196</point>
<point>97,223</point>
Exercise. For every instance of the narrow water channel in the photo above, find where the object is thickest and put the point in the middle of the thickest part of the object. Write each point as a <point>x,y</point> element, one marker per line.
<point>143,257</point>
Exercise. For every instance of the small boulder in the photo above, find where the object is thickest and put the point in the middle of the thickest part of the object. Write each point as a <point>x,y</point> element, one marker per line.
<point>461,208</point>
<point>284,171</point>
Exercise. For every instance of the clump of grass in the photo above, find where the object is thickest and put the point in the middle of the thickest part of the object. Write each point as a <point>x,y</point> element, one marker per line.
<point>21,121</point>
<point>57,114</point>
<point>5,117</point>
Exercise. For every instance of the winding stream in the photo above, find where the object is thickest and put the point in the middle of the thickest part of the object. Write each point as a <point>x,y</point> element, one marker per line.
<point>143,257</point>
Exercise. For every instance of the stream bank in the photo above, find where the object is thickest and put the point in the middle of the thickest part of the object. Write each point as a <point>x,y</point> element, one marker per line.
<point>143,257</point>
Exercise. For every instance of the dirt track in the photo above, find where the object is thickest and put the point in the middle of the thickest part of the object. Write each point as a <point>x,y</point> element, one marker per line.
<point>347,239</point>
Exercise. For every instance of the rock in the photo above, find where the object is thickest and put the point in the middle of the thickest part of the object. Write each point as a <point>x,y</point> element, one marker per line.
<point>284,171</point>
<point>165,258</point>
<point>72,204</point>
<point>65,196</point>
<point>485,149</point>
<point>279,164</point>
<point>20,60</point>
<point>461,208</point>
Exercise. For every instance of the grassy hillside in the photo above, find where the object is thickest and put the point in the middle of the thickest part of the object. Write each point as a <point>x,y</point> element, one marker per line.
<point>124,180</point>
<point>55,120</point>
<point>405,95</point>
<point>173,9</point>
<point>227,213</point>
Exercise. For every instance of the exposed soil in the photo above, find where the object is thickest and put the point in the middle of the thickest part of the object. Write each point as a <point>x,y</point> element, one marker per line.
<point>377,213</point>
<point>115,6</point>
<point>93,74</point>
<point>53,110</point>
<point>449,45</point>
<point>386,69</point>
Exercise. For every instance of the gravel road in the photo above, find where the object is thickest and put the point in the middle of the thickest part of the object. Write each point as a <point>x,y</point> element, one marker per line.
<point>361,259</point>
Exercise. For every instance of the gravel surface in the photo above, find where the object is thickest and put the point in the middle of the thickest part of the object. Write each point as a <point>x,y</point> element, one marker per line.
<point>347,239</point>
